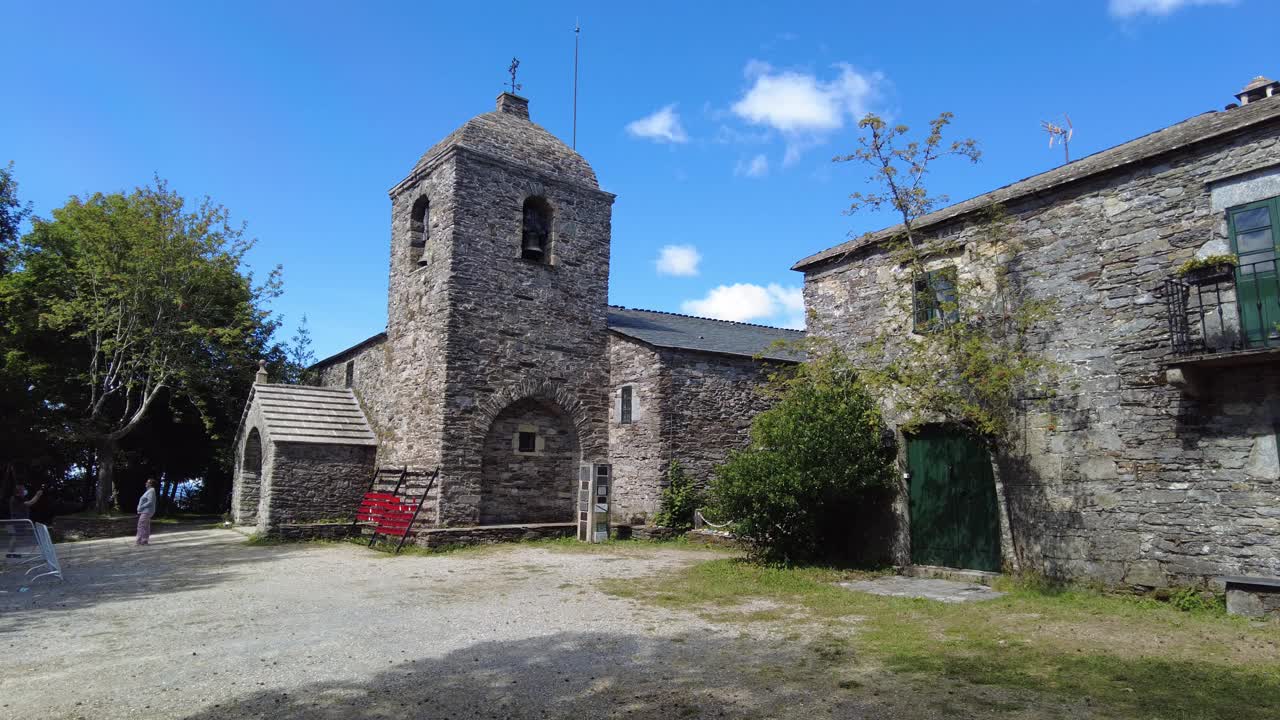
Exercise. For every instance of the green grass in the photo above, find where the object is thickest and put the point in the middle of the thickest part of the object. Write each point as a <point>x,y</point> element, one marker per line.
<point>1129,657</point>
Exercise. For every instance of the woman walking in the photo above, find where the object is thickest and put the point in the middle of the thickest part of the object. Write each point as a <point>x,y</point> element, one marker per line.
<point>146,509</point>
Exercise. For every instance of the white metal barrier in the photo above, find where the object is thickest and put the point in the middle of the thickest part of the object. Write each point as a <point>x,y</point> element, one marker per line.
<point>28,543</point>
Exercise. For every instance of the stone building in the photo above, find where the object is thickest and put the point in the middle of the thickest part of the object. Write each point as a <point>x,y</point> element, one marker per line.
<point>1155,460</point>
<point>502,363</point>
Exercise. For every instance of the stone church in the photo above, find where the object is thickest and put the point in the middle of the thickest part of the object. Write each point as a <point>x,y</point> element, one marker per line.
<point>502,363</point>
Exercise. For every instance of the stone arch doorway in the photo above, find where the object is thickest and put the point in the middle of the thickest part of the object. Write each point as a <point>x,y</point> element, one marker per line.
<point>529,465</point>
<point>250,477</point>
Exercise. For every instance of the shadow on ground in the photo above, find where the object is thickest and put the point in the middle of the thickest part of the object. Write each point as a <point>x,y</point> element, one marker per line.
<point>179,559</point>
<point>622,676</point>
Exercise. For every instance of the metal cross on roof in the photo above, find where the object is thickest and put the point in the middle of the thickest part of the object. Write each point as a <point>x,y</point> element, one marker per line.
<point>515,64</point>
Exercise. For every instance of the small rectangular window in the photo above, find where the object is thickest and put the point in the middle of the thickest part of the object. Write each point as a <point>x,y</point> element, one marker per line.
<point>626,405</point>
<point>527,442</point>
<point>350,373</point>
<point>934,300</point>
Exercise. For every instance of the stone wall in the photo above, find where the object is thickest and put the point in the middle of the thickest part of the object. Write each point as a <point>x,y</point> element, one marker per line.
<point>636,450</point>
<point>694,407</point>
<point>533,487</point>
<point>712,400</point>
<point>311,482</point>
<point>520,328</point>
<point>1123,478</point>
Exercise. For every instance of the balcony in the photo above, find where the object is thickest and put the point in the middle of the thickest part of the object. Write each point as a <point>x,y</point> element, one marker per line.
<point>1223,317</point>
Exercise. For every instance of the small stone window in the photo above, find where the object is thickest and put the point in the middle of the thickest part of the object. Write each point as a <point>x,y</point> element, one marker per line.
<point>419,230</point>
<point>535,232</point>
<point>935,303</point>
<point>627,414</point>
<point>526,442</point>
<point>350,372</point>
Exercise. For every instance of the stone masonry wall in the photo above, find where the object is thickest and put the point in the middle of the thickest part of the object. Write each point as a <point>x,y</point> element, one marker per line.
<point>532,487</point>
<point>370,380</point>
<point>636,450</point>
<point>312,482</point>
<point>693,407</point>
<point>519,326</point>
<point>712,400</point>
<point>1124,479</point>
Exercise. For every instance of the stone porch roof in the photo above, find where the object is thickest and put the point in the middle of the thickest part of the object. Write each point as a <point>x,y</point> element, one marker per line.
<point>305,414</point>
<point>686,332</point>
<point>1175,137</point>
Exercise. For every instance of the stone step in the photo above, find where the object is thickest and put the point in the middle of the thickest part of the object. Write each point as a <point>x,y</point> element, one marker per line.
<point>979,577</point>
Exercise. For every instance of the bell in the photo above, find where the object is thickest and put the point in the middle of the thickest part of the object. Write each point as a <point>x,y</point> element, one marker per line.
<point>531,247</point>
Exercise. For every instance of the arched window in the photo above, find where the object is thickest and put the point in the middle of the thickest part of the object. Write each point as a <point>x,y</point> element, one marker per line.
<point>419,230</point>
<point>253,453</point>
<point>535,235</point>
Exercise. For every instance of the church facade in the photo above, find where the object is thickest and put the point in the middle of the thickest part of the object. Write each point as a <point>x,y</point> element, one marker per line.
<point>502,363</point>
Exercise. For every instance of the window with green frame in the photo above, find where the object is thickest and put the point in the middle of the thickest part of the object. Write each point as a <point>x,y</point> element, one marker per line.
<point>934,301</point>
<point>1253,239</point>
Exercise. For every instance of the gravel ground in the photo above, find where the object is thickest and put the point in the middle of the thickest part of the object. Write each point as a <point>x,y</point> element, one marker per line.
<point>202,625</point>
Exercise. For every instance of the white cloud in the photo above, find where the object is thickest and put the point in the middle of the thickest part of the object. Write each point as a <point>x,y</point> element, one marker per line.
<point>679,260</point>
<point>793,102</point>
<point>1132,8</point>
<point>662,126</point>
<point>803,107</point>
<point>757,166</point>
<point>746,302</point>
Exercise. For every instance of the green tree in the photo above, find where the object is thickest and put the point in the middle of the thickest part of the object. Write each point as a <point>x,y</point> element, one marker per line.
<point>151,298</point>
<point>298,355</point>
<point>971,356</point>
<point>12,213</point>
<point>814,458</point>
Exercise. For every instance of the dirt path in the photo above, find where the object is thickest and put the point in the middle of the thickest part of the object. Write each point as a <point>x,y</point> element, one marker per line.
<point>202,625</point>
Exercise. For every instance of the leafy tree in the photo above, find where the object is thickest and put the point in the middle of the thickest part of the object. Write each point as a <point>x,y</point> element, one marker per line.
<point>680,498</point>
<point>149,297</point>
<point>973,356</point>
<point>12,213</point>
<point>814,458</point>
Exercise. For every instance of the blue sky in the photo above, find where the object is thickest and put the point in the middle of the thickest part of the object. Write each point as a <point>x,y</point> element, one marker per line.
<point>715,127</point>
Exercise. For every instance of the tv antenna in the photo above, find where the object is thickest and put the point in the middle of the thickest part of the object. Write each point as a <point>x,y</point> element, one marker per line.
<point>1060,134</point>
<point>515,65</point>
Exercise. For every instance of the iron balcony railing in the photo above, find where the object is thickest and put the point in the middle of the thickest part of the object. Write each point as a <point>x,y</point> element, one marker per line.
<point>1228,311</point>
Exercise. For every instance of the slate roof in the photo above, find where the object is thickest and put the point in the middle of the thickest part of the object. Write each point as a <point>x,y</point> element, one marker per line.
<point>685,332</point>
<point>305,414</point>
<point>1188,132</point>
<point>512,137</point>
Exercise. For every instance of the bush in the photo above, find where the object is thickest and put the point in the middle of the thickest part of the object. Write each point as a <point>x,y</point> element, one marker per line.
<point>816,459</point>
<point>680,499</point>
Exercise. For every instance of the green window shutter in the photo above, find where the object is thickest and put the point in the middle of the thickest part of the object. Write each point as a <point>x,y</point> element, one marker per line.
<point>1252,229</point>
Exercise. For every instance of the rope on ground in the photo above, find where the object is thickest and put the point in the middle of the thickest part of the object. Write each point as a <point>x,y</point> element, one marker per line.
<point>699,520</point>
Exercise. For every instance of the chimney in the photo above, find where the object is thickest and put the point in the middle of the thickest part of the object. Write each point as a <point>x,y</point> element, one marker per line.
<point>514,105</point>
<point>1258,89</point>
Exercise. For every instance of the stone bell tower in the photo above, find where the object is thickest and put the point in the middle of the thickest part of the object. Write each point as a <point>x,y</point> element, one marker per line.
<point>496,339</point>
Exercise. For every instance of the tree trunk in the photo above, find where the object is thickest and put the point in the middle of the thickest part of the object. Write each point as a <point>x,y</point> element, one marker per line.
<point>106,475</point>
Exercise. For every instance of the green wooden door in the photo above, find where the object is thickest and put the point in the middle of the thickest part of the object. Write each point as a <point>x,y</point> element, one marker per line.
<point>954,512</point>
<point>1253,239</point>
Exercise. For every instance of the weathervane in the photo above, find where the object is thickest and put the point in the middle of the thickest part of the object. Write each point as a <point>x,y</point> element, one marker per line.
<point>1057,132</point>
<point>515,65</point>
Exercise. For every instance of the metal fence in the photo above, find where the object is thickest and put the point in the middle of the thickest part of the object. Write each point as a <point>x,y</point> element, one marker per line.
<point>1229,312</point>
